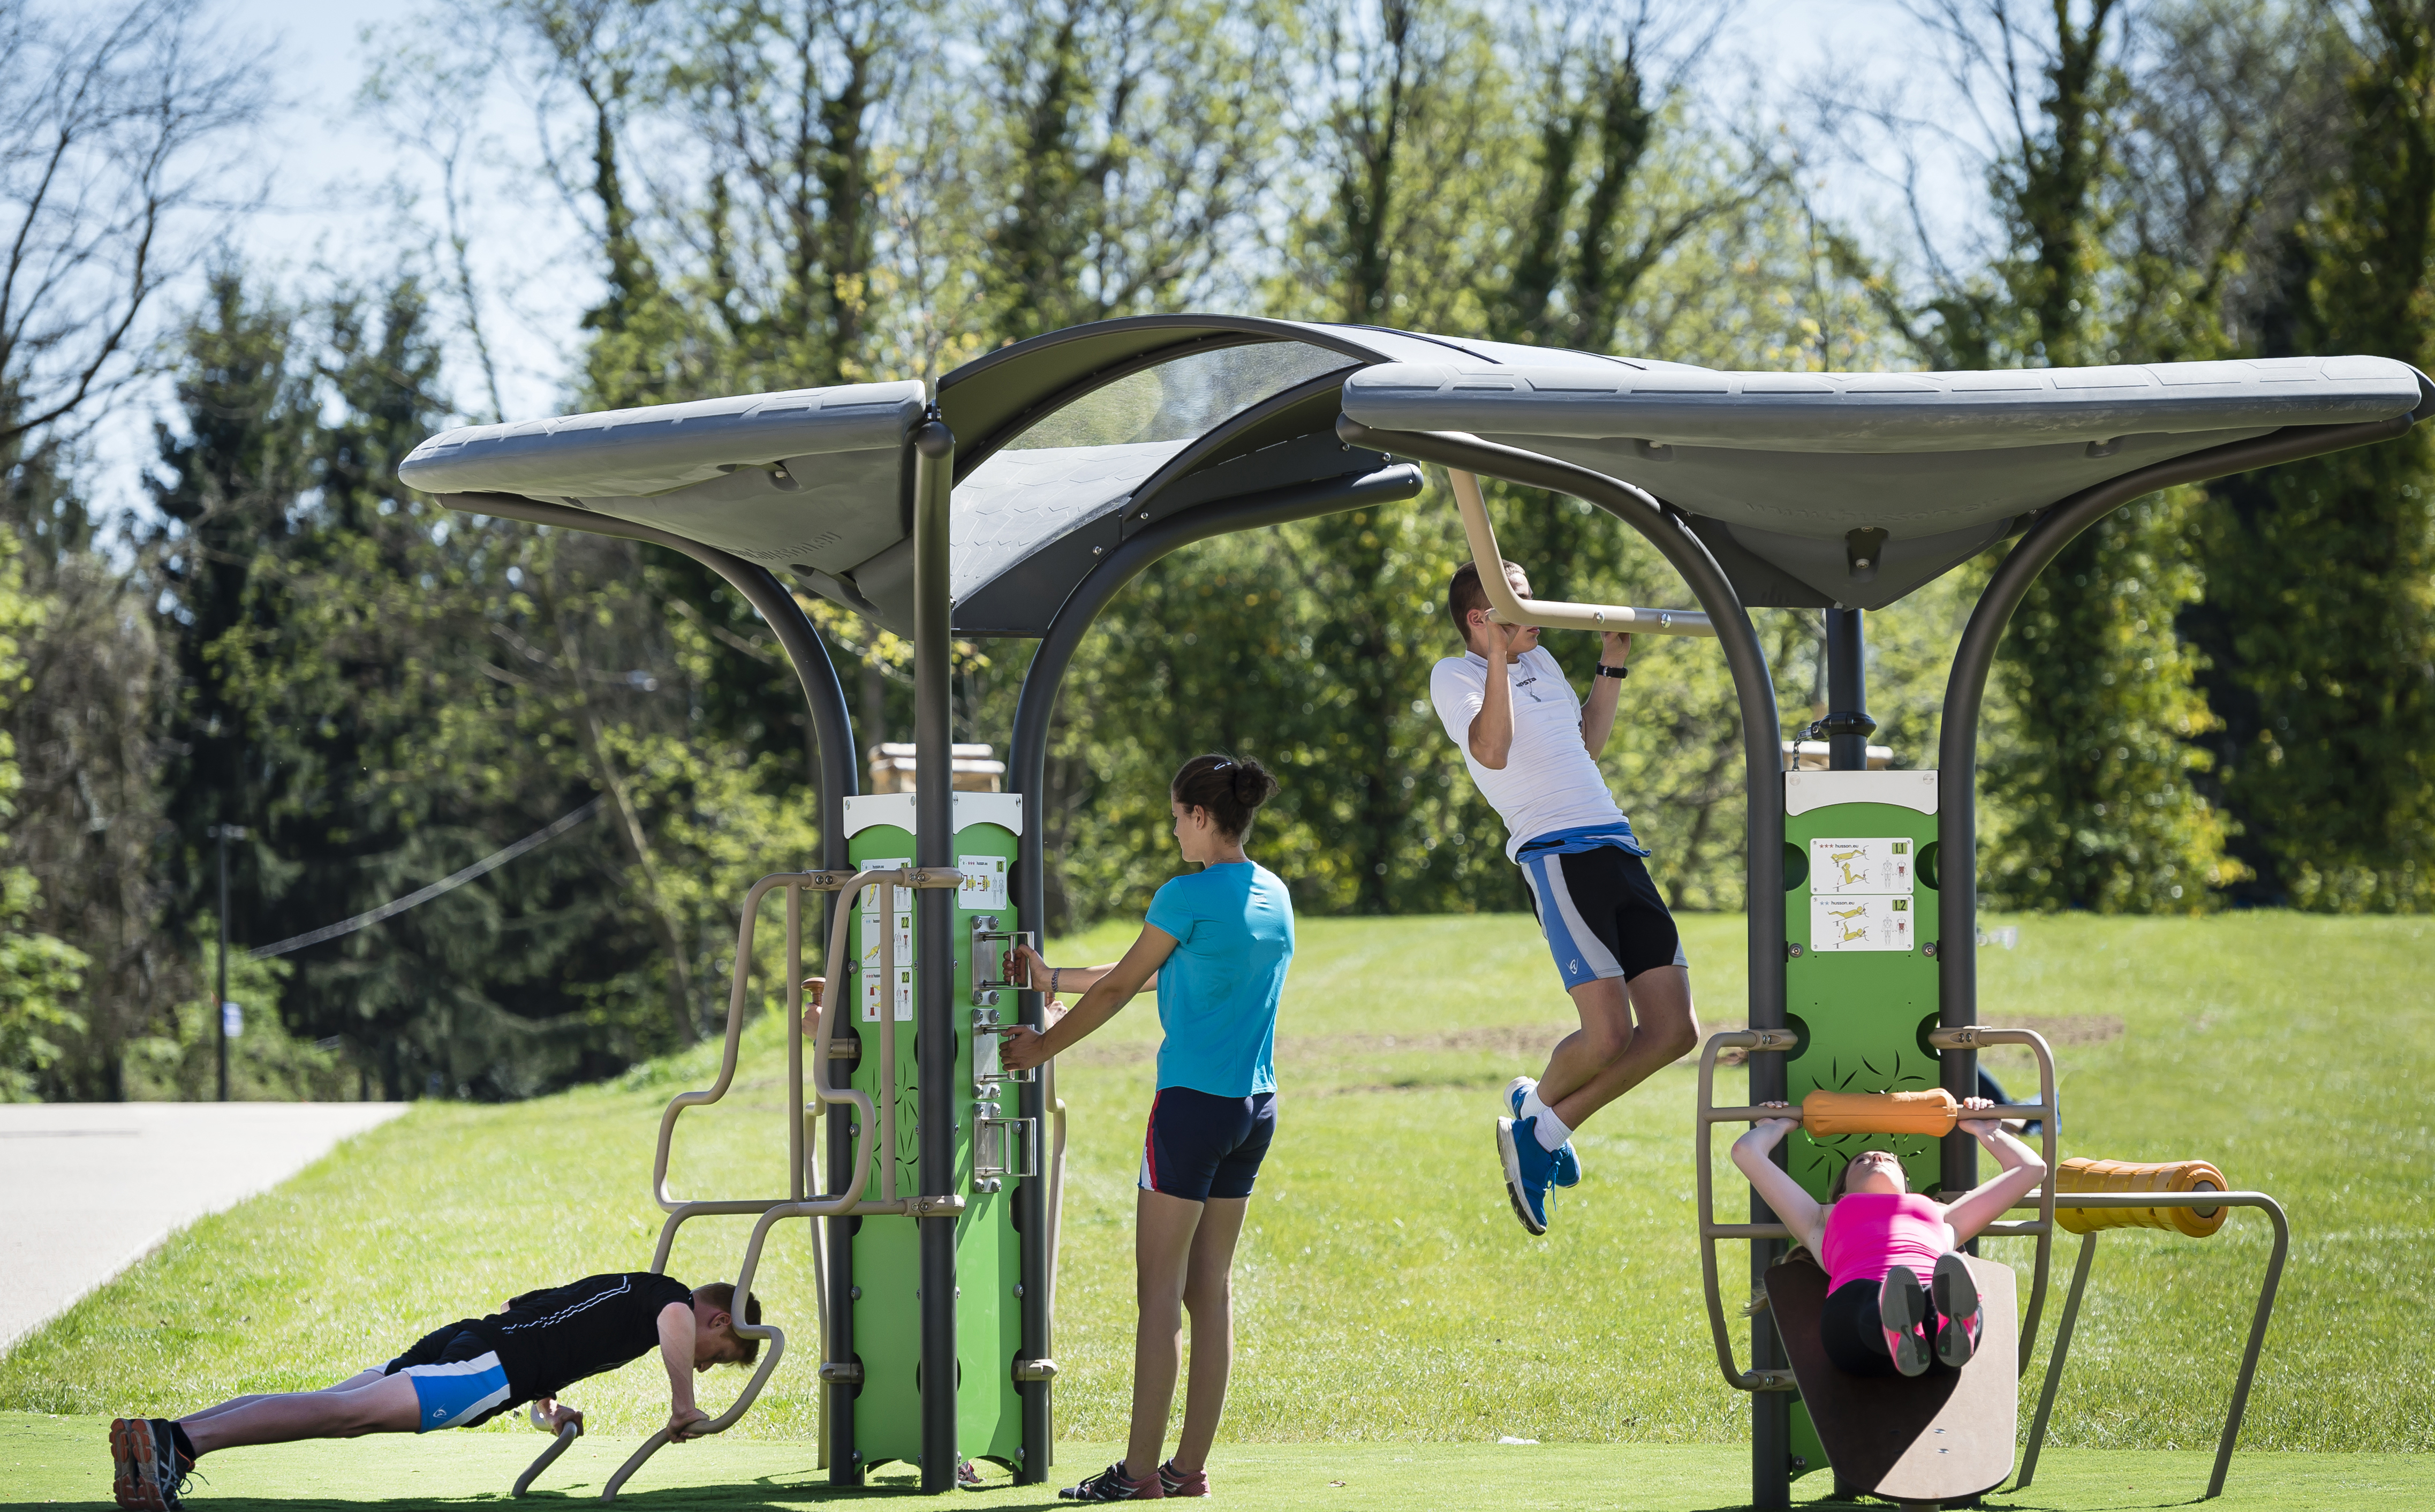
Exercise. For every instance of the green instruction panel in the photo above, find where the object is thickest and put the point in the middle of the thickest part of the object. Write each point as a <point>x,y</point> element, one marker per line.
<point>887,1249</point>
<point>1859,870</point>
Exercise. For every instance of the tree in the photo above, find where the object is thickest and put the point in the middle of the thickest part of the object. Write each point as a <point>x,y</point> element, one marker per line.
<point>2320,607</point>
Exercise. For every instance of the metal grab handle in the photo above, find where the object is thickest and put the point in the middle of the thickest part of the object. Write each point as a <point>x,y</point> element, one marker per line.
<point>558,1445</point>
<point>1767,1042</point>
<point>2257,1323</point>
<point>1507,608</point>
<point>771,1332</point>
<point>1779,1041</point>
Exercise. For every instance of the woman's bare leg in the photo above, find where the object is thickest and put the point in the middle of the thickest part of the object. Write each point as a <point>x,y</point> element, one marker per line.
<point>1163,1231</point>
<point>1209,1297</point>
<point>387,1405</point>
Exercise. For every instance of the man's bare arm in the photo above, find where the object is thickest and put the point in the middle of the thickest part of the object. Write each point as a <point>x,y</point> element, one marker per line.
<point>676,1352</point>
<point>1492,728</point>
<point>1598,710</point>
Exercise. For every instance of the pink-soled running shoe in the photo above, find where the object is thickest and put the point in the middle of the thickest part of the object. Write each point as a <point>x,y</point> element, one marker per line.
<point>1113,1485</point>
<point>1177,1484</point>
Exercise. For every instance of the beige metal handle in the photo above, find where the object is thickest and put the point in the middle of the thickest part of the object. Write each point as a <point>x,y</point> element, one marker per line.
<point>1781,1042</point>
<point>1506,609</point>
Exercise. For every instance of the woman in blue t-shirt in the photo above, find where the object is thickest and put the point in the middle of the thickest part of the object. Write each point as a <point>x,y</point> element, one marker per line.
<point>1218,940</point>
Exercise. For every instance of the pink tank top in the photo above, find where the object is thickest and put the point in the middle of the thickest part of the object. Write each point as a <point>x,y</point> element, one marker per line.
<point>1868,1233</point>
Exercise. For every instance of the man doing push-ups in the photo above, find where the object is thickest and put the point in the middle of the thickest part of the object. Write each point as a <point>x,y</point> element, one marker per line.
<point>1532,746</point>
<point>461,1374</point>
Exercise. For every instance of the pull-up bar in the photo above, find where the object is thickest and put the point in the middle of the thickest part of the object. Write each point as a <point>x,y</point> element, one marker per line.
<point>1505,608</point>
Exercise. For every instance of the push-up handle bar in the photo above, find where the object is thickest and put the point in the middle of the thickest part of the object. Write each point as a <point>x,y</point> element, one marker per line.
<point>873,1120</point>
<point>1505,608</point>
<point>1894,1107</point>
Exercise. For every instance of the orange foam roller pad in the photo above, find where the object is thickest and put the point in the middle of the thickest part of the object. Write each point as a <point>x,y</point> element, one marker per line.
<point>2083,1174</point>
<point>1929,1112</point>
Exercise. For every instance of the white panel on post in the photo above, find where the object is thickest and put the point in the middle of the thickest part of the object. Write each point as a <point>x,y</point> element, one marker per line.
<point>1804,791</point>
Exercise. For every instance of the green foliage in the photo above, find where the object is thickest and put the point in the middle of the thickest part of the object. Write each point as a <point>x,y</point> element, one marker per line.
<point>2321,576</point>
<point>39,972</point>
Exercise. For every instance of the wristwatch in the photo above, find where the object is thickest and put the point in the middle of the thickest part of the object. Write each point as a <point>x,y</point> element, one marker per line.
<point>1618,674</point>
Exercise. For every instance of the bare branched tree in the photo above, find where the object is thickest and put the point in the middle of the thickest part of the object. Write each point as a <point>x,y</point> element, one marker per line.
<point>115,131</point>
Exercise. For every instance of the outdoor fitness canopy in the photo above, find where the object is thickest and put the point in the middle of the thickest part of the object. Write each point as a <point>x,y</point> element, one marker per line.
<point>1070,444</point>
<point>1038,480</point>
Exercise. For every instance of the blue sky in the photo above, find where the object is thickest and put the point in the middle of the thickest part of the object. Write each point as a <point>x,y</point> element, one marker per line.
<point>332,167</point>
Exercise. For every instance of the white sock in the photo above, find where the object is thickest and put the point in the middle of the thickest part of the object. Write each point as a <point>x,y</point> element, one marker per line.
<point>1553,1135</point>
<point>1532,1107</point>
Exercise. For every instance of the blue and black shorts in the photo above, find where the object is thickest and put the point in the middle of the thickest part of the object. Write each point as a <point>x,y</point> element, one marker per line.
<point>1602,913</point>
<point>458,1379</point>
<point>1200,1145</point>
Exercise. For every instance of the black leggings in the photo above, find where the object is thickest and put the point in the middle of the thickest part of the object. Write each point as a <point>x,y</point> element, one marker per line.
<point>1853,1332</point>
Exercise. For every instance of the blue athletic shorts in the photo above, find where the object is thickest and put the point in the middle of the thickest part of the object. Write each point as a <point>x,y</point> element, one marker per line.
<point>1200,1145</point>
<point>1602,913</point>
<point>458,1379</point>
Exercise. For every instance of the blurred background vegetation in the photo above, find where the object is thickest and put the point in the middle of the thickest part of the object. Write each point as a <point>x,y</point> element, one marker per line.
<point>2225,696</point>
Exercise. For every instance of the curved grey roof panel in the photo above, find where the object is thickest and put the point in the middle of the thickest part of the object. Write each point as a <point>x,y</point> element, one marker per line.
<point>811,478</point>
<point>1879,412</point>
<point>637,452</point>
<point>1779,469</point>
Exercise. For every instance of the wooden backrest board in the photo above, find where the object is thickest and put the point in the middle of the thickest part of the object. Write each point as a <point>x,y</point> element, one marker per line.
<point>1926,1438</point>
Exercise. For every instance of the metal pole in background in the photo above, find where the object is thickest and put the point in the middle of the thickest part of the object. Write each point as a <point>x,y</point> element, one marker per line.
<point>1965,690</point>
<point>936,1034</point>
<point>222,834</point>
<point>1847,725</point>
<point>220,998</point>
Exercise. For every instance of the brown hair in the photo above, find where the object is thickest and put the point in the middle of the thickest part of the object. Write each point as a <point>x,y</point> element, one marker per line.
<point>721,1295</point>
<point>1835,1192</point>
<point>1464,595</point>
<point>1231,790</point>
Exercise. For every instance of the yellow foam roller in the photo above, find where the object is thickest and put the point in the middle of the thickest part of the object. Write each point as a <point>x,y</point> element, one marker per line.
<point>2083,1174</point>
<point>1927,1112</point>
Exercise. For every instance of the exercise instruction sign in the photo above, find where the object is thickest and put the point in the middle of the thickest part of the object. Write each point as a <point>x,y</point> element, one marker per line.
<point>1844,867</point>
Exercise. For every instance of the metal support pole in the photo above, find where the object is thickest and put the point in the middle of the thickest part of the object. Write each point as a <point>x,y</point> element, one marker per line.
<point>934,845</point>
<point>1028,769</point>
<point>1965,690</point>
<point>220,998</point>
<point>1763,776</point>
<point>1847,724</point>
<point>832,728</point>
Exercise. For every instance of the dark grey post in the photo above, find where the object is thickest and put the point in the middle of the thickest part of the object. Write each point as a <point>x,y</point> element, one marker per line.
<point>833,730</point>
<point>934,845</point>
<point>1847,724</point>
<point>1965,690</point>
<point>1762,766</point>
<point>219,999</point>
<point>1027,765</point>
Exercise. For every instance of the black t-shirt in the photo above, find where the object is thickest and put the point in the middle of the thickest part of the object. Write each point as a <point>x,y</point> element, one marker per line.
<point>550,1340</point>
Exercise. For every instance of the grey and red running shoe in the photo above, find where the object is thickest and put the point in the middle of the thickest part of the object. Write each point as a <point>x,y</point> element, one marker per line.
<point>1901,1311</point>
<point>148,1473</point>
<point>1175,1483</point>
<point>1113,1485</point>
<point>1955,1292</point>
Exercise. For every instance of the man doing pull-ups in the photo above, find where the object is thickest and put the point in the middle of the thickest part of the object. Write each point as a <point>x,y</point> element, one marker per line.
<point>1532,746</point>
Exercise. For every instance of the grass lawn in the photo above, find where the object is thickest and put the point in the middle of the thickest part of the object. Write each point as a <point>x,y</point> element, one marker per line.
<point>1386,1297</point>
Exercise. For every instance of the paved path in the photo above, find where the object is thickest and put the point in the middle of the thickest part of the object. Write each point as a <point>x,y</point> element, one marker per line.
<point>81,1198</point>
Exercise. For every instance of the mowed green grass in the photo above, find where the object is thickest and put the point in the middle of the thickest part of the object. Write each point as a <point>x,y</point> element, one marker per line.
<point>55,1459</point>
<point>1385,1294</point>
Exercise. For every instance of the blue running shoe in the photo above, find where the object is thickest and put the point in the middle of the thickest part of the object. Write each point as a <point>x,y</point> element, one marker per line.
<point>1568,1164</point>
<point>1527,1170</point>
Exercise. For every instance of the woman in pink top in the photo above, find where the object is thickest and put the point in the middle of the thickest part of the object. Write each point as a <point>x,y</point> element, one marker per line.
<point>1876,1237</point>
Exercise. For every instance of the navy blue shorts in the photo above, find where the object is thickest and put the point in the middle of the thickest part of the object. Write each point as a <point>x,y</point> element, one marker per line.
<point>1602,913</point>
<point>458,1380</point>
<point>1200,1145</point>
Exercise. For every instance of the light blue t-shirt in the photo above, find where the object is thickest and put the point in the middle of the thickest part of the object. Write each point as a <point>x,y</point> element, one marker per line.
<point>1218,992</point>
